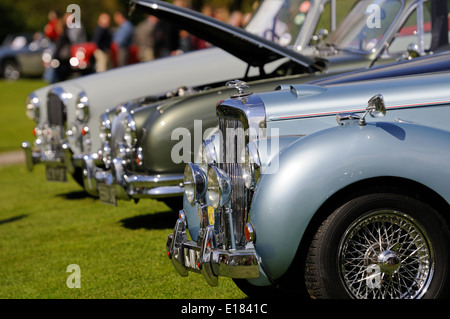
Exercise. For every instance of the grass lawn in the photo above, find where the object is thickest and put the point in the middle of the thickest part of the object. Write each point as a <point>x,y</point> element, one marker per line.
<point>15,126</point>
<point>45,227</point>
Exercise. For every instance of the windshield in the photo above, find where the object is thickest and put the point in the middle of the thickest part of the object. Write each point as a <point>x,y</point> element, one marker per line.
<point>280,21</point>
<point>365,25</point>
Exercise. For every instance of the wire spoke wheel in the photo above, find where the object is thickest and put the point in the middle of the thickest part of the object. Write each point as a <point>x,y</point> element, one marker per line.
<point>385,256</point>
<point>380,246</point>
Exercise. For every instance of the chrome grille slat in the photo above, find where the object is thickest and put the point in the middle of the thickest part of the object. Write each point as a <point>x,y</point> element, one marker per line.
<point>234,171</point>
<point>56,110</point>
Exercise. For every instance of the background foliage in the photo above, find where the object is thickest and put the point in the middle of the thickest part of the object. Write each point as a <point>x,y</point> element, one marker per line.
<point>31,15</point>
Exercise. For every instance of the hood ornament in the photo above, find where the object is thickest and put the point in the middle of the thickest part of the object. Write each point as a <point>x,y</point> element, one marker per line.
<point>240,86</point>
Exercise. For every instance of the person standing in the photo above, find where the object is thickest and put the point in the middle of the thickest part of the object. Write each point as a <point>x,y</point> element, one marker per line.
<point>143,38</point>
<point>102,38</point>
<point>122,38</point>
<point>52,30</point>
<point>61,56</point>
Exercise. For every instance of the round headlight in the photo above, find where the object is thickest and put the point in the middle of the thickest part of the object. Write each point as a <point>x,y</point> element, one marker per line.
<point>194,183</point>
<point>32,107</point>
<point>82,107</point>
<point>219,187</point>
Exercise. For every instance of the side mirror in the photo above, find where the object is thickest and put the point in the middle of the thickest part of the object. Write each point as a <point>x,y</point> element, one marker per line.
<point>375,107</point>
<point>413,51</point>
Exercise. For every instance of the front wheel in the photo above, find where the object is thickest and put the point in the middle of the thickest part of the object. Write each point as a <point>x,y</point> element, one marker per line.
<point>380,246</point>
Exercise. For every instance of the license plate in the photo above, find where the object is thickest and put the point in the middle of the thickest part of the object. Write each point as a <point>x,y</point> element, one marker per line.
<point>107,194</point>
<point>56,174</point>
<point>191,258</point>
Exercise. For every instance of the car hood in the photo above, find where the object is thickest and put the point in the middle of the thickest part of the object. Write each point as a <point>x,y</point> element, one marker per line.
<point>427,64</point>
<point>251,48</point>
<point>307,102</point>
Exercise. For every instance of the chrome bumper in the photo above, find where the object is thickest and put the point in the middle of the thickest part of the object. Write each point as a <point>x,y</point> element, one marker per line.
<point>127,186</point>
<point>51,159</point>
<point>203,257</point>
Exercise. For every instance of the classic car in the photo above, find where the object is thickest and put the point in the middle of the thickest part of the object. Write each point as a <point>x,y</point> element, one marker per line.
<point>67,113</point>
<point>139,138</point>
<point>284,200</point>
<point>20,55</point>
<point>375,32</point>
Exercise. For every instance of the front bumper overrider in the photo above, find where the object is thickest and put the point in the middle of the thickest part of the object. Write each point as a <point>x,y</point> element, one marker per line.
<point>128,185</point>
<point>203,257</point>
<point>61,159</point>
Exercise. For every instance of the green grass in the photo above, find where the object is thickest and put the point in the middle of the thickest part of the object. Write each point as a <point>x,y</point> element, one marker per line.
<point>15,127</point>
<point>45,227</point>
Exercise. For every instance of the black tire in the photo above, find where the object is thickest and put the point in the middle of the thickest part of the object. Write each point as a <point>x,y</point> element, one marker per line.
<point>78,176</point>
<point>380,246</point>
<point>256,292</point>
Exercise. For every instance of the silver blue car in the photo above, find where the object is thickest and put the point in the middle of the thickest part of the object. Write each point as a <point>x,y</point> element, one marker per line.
<point>328,191</point>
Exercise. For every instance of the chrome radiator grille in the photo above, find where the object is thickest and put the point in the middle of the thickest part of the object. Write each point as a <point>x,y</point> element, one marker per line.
<point>233,168</point>
<point>56,110</point>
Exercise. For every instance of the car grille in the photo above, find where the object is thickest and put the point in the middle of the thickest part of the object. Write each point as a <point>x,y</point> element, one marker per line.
<point>56,110</point>
<point>233,168</point>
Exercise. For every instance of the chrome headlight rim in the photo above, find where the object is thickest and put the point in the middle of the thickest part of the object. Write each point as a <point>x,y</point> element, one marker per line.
<point>130,131</point>
<point>194,183</point>
<point>32,107</point>
<point>82,107</point>
<point>105,128</point>
<point>219,187</point>
<point>252,164</point>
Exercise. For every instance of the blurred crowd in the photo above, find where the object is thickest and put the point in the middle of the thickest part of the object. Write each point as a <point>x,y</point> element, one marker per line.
<point>117,42</point>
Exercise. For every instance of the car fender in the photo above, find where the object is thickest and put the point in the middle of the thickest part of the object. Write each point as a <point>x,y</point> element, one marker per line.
<point>317,166</point>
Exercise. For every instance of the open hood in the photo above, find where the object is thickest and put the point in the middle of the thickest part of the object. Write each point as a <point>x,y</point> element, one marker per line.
<point>248,47</point>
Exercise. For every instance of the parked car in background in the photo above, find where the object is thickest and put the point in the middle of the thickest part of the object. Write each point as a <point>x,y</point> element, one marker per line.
<point>83,61</point>
<point>377,32</point>
<point>67,113</point>
<point>355,210</point>
<point>20,55</point>
<point>139,138</point>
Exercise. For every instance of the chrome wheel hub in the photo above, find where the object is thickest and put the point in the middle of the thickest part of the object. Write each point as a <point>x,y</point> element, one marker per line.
<point>385,255</point>
<point>388,261</point>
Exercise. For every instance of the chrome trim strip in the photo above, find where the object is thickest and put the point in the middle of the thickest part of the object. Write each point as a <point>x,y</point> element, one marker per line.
<point>334,113</point>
